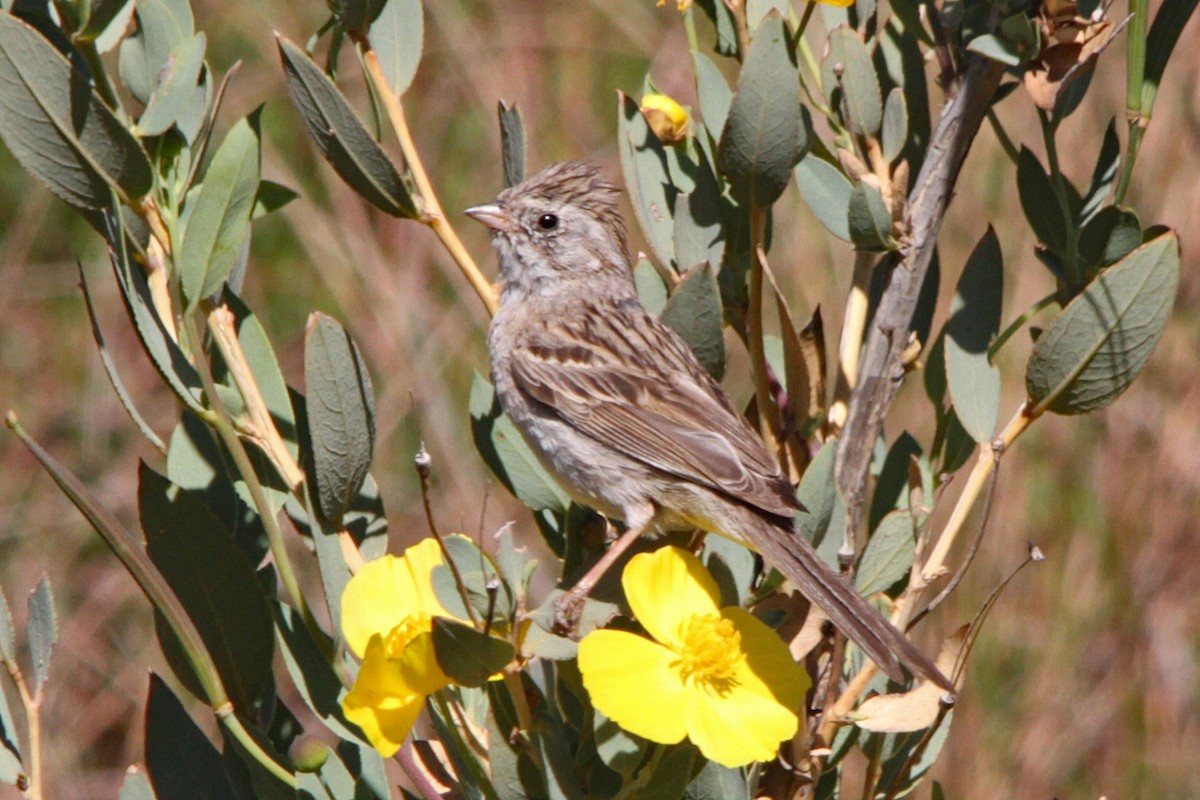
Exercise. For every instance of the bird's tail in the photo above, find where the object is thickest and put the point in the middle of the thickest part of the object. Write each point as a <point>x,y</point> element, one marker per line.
<point>792,555</point>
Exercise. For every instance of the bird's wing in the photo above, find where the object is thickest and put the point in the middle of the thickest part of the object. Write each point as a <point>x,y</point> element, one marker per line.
<point>655,403</point>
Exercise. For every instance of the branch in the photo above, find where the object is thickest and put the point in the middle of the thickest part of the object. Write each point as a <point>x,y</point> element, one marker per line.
<point>881,370</point>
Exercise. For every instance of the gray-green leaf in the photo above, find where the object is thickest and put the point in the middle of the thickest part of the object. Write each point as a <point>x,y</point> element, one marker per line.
<point>827,192</point>
<point>1103,338</point>
<point>974,322</point>
<point>694,312</point>
<point>859,83</point>
<point>219,222</point>
<point>162,25</point>
<point>341,137</point>
<point>888,555</point>
<point>647,179</point>
<point>341,416</point>
<point>767,130</point>
<point>397,36</point>
<point>175,87</point>
<point>41,631</point>
<point>59,129</point>
<point>868,220</point>
<point>505,451</point>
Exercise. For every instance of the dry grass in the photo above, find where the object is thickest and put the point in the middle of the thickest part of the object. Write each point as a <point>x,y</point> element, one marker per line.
<point>1086,679</point>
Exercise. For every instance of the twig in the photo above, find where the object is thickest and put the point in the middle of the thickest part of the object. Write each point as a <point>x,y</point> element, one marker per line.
<point>850,348</point>
<point>422,462</point>
<point>431,214</point>
<point>881,368</point>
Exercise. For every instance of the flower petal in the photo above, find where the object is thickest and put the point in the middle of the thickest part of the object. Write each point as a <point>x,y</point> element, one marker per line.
<point>739,727</point>
<point>665,588</point>
<point>382,702</point>
<point>418,666</point>
<point>631,681</point>
<point>388,590</point>
<point>768,668</point>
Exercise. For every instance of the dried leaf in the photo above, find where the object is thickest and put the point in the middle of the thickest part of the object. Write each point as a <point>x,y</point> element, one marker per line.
<point>918,708</point>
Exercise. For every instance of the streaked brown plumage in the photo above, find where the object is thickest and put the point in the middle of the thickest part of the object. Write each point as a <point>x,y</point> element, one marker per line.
<point>618,408</point>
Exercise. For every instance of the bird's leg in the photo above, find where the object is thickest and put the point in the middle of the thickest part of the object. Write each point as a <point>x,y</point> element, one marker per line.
<point>569,608</point>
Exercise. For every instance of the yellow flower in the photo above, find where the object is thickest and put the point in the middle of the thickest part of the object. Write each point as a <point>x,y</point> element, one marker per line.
<point>666,118</point>
<point>680,5</point>
<point>387,612</point>
<point>718,676</point>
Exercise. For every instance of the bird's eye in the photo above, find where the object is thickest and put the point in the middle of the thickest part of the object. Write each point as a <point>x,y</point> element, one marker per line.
<point>548,222</point>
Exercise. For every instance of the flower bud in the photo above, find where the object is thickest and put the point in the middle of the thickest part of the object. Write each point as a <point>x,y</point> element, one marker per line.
<point>667,118</point>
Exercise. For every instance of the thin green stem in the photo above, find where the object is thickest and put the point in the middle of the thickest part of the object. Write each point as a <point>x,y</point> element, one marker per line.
<point>1019,322</point>
<point>1059,182</point>
<point>1135,76</point>
<point>767,411</point>
<point>689,29</point>
<point>241,459</point>
<point>1006,143</point>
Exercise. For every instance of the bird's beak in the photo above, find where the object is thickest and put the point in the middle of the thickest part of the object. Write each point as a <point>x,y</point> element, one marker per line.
<point>494,216</point>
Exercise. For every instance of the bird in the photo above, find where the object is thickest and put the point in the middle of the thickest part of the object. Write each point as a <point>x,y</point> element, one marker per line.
<point>617,407</point>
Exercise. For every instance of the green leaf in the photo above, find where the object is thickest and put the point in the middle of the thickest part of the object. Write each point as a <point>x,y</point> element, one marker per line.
<point>505,451</point>
<point>175,87</point>
<point>767,130</point>
<point>341,416</point>
<point>650,287</point>
<point>1160,42</point>
<point>341,138</point>
<point>136,785</point>
<point>41,631</point>
<point>694,312</point>
<point>868,220</point>
<point>59,129</point>
<point>465,654</point>
<point>621,752</point>
<point>1104,174</point>
<point>935,371</point>
<point>827,191</point>
<point>162,25</point>
<point>1103,338</point>
<point>894,134</point>
<point>512,142</point>
<point>219,222</point>
<point>859,84</point>
<point>699,233</point>
<point>818,494</point>
<point>973,325</point>
<point>264,368</point>
<point>1038,201</point>
<point>713,92</point>
<point>477,572</point>
<point>648,180</point>
<point>891,485</point>
<point>216,585</point>
<point>181,762</point>
<point>1110,235</point>
<point>671,774</point>
<point>198,463</point>
<point>397,36</point>
<point>716,782</point>
<point>271,196</point>
<point>312,674</point>
<point>997,48</point>
<point>888,555</point>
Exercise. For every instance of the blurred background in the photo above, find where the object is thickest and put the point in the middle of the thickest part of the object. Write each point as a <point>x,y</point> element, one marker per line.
<point>1086,680</point>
